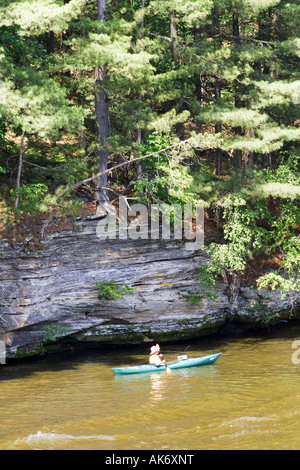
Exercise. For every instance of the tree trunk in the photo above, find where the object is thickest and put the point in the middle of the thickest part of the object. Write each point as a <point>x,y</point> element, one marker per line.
<point>175,54</point>
<point>218,154</point>
<point>236,28</point>
<point>249,156</point>
<point>18,185</point>
<point>174,36</point>
<point>139,132</point>
<point>235,287</point>
<point>218,127</point>
<point>238,102</point>
<point>198,77</point>
<point>101,108</point>
<point>273,67</point>
<point>50,42</point>
<point>143,10</point>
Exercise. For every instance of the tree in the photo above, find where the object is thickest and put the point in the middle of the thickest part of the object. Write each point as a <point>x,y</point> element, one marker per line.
<point>102,123</point>
<point>36,105</point>
<point>201,95</point>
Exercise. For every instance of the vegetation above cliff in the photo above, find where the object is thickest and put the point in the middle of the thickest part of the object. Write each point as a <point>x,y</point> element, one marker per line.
<point>190,102</point>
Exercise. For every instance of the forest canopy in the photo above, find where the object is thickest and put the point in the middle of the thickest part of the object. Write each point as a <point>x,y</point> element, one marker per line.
<point>209,90</point>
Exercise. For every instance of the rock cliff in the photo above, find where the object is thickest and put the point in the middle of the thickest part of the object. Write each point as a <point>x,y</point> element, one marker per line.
<point>48,296</point>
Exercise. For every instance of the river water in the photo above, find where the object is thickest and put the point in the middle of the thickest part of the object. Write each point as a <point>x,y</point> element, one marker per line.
<point>248,399</point>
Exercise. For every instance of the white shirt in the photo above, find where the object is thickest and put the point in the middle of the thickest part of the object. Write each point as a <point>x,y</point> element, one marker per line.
<point>155,360</point>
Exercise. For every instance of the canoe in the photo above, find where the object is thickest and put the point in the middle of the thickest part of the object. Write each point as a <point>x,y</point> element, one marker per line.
<point>183,363</point>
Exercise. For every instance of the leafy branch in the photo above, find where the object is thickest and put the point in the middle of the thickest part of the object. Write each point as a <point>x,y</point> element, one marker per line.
<point>112,291</point>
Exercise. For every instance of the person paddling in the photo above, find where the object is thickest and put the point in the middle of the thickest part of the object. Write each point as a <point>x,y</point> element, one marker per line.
<point>155,358</point>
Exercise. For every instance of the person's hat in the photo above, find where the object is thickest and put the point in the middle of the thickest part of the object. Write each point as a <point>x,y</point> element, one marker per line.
<point>154,349</point>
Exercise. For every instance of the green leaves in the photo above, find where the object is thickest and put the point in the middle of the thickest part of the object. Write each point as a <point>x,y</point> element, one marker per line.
<point>112,291</point>
<point>40,16</point>
<point>206,286</point>
<point>212,85</point>
<point>40,107</point>
<point>287,281</point>
<point>190,12</point>
<point>249,230</point>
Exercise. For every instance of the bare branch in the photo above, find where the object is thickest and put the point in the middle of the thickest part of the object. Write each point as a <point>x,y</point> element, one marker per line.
<point>127,162</point>
<point>166,38</point>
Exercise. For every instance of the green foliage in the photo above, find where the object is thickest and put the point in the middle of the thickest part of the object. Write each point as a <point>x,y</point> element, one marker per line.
<point>163,178</point>
<point>61,202</point>
<point>39,16</point>
<point>70,172</point>
<point>243,236</point>
<point>288,281</point>
<point>260,308</point>
<point>207,283</point>
<point>112,291</point>
<point>249,229</point>
<point>39,106</point>
<point>211,85</point>
<point>54,332</point>
<point>31,198</point>
<point>36,198</point>
<point>51,334</point>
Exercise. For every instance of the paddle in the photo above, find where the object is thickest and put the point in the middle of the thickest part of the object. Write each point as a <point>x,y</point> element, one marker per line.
<point>168,370</point>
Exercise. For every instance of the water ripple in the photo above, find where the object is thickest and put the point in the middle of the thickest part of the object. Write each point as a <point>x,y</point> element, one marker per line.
<point>50,439</point>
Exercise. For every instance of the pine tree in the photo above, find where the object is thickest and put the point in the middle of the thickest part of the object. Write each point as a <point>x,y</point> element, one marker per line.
<point>211,85</point>
<point>102,123</point>
<point>35,105</point>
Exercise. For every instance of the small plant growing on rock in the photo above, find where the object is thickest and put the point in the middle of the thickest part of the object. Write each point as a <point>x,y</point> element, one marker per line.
<point>51,334</point>
<point>207,283</point>
<point>55,332</point>
<point>112,291</point>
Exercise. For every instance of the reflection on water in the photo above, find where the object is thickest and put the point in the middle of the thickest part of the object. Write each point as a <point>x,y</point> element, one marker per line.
<point>248,399</point>
<point>158,389</point>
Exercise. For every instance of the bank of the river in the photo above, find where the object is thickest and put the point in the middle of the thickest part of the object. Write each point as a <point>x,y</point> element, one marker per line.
<point>249,399</point>
<point>49,299</point>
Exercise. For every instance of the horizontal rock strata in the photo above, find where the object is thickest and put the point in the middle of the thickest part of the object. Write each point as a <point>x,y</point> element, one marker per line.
<point>54,286</point>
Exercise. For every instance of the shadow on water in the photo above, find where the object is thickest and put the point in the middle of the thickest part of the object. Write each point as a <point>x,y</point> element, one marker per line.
<point>67,360</point>
<point>248,399</point>
<point>127,355</point>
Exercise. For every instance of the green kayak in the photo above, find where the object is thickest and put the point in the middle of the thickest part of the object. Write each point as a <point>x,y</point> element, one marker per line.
<point>179,364</point>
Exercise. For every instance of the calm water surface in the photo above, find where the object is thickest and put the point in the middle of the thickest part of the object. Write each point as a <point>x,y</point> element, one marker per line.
<point>249,399</point>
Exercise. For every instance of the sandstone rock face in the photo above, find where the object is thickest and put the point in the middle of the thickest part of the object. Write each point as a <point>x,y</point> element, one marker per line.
<point>54,286</point>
